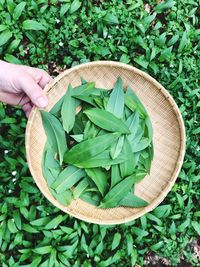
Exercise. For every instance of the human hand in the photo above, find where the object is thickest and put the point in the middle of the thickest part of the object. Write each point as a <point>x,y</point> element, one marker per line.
<point>22,85</point>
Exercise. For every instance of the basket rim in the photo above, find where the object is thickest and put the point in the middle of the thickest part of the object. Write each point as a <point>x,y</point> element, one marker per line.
<point>179,162</point>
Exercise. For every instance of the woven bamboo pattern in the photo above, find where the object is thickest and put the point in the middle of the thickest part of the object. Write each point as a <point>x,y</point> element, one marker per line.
<point>169,138</point>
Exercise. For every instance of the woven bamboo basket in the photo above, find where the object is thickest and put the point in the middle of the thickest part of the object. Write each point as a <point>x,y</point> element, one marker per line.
<point>169,138</point>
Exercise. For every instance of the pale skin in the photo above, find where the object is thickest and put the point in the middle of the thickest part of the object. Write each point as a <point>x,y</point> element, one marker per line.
<point>23,85</point>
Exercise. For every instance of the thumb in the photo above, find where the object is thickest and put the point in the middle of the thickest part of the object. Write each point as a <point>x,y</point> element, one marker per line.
<point>33,91</point>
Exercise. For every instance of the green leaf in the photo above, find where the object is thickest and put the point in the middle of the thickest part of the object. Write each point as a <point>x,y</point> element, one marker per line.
<point>56,109</point>
<point>3,27</point>
<point>117,193</point>
<point>140,60</point>
<point>157,246</point>
<point>116,148</point>
<point>127,167</point>
<point>110,18</point>
<point>101,159</point>
<point>91,198</point>
<point>99,177</point>
<point>139,232</point>
<point>184,225</point>
<point>162,211</point>
<point>5,36</point>
<point>43,250</point>
<point>68,110</point>
<point>12,59</point>
<point>106,120</point>
<point>129,241</point>
<point>183,42</point>
<point>142,144</point>
<point>86,99</point>
<point>133,102</point>
<point>64,9</point>
<point>149,127</point>
<point>80,187</point>
<point>75,5</point>
<point>115,175</point>
<point>48,163</point>
<point>77,137</point>
<point>173,40</point>
<point>196,227</point>
<point>172,229</point>
<point>116,100</point>
<point>125,58</point>
<point>87,149</point>
<point>133,123</point>
<point>116,241</point>
<point>29,229</point>
<point>65,197</point>
<point>133,257</point>
<point>164,6</point>
<point>84,89</point>
<point>41,221</point>
<point>130,200</point>
<point>78,125</point>
<point>67,178</point>
<point>90,131</point>
<point>54,222</point>
<point>12,227</point>
<point>138,175</point>
<point>33,25</point>
<point>55,133</point>
<point>18,10</point>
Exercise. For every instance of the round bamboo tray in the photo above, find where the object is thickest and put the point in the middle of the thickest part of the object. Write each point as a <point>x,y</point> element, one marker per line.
<point>169,138</point>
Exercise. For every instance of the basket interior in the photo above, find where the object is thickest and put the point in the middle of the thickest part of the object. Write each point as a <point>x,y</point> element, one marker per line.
<point>168,139</point>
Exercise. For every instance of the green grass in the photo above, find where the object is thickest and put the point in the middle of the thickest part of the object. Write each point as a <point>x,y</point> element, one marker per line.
<point>164,44</point>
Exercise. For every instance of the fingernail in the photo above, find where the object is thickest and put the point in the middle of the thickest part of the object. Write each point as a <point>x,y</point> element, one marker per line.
<point>42,102</point>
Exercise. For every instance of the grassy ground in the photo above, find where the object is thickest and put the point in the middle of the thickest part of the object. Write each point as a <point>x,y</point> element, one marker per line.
<point>161,39</point>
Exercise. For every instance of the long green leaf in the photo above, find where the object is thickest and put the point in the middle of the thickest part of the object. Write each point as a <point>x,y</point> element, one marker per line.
<point>49,162</point>
<point>133,122</point>
<point>77,137</point>
<point>115,175</point>
<point>138,176</point>
<point>99,177</point>
<point>117,193</point>
<point>131,200</point>
<point>5,36</point>
<point>84,89</point>
<point>145,142</point>
<point>91,198</point>
<point>115,103</point>
<point>80,187</point>
<point>131,93</point>
<point>63,198</point>
<point>32,25</point>
<point>86,98</point>
<point>90,131</point>
<point>106,120</point>
<point>56,109</point>
<point>89,148</point>
<point>67,178</point>
<point>55,133</point>
<point>101,160</point>
<point>127,167</point>
<point>149,127</point>
<point>117,147</point>
<point>68,110</point>
<point>133,103</point>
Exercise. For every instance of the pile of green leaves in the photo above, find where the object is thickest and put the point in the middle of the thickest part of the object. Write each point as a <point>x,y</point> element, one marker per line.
<point>106,148</point>
<point>162,40</point>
